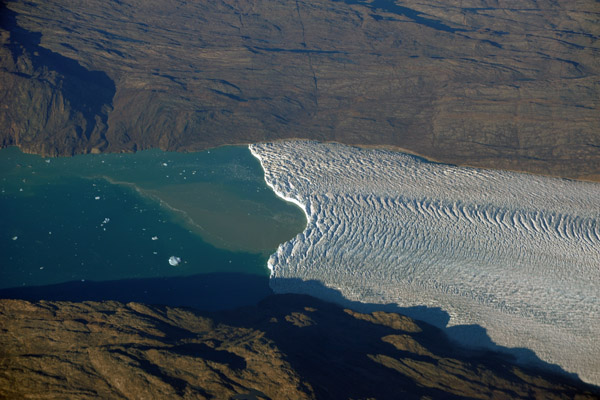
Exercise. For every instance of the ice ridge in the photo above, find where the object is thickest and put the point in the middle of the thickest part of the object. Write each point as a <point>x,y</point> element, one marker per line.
<point>516,254</point>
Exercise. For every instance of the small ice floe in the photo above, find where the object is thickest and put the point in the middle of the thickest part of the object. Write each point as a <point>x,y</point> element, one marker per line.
<point>97,198</point>
<point>174,261</point>
<point>154,237</point>
<point>15,237</point>
<point>106,221</point>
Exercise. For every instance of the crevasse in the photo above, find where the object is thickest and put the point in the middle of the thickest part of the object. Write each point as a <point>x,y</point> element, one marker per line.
<point>516,254</point>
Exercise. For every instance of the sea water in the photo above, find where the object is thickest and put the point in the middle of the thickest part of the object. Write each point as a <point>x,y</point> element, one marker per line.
<point>124,216</point>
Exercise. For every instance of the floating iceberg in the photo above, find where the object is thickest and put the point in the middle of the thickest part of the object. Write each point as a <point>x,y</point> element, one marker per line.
<point>516,254</point>
<point>174,261</point>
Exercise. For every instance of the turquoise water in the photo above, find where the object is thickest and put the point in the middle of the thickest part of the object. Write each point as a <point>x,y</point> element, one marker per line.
<point>122,216</point>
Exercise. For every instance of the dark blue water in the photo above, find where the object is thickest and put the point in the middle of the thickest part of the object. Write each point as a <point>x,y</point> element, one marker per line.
<point>90,223</point>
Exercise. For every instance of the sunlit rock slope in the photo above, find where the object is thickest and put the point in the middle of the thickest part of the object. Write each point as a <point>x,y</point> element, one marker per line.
<point>502,84</point>
<point>287,347</point>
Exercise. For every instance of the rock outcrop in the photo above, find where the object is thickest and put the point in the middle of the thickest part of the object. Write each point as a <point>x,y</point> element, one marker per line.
<point>510,84</point>
<point>287,347</point>
<point>51,105</point>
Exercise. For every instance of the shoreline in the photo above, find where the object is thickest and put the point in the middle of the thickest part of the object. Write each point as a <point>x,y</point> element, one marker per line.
<point>397,149</point>
<point>270,263</point>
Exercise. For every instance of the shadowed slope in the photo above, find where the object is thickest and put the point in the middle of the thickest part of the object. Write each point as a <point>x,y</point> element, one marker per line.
<point>53,104</point>
<point>288,346</point>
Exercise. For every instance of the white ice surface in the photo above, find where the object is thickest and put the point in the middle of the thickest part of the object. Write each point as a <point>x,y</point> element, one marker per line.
<point>516,254</point>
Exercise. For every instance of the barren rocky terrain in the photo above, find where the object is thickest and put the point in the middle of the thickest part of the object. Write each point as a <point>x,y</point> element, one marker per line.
<point>287,347</point>
<point>500,84</point>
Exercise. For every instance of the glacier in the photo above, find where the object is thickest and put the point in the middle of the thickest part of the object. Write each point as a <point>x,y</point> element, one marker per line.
<point>516,254</point>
